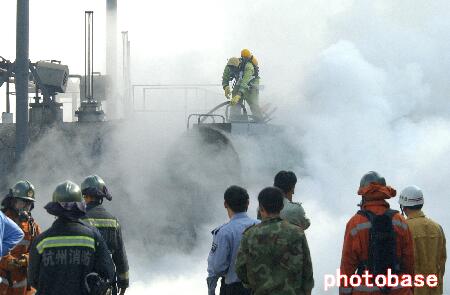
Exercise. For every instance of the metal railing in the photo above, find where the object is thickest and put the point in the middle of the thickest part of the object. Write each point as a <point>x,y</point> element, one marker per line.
<point>176,98</point>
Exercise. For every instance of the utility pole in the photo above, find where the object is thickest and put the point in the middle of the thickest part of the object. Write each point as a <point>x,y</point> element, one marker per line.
<point>21,79</point>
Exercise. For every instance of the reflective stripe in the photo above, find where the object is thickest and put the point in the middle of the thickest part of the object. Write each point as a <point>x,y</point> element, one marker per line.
<point>24,242</point>
<point>400,224</point>
<point>367,225</point>
<point>359,227</point>
<point>21,284</point>
<point>345,290</point>
<point>123,276</point>
<point>102,222</point>
<point>65,241</point>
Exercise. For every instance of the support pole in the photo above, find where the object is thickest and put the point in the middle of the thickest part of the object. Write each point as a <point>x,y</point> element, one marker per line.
<point>21,80</point>
<point>111,57</point>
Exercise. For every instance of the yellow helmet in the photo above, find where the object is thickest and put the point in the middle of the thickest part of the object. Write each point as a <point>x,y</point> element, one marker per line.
<point>233,61</point>
<point>245,53</point>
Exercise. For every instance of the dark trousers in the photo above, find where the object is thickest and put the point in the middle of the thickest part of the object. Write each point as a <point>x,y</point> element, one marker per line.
<point>233,289</point>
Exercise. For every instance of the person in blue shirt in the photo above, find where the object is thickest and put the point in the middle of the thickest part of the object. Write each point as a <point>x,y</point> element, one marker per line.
<point>226,240</point>
<point>10,234</point>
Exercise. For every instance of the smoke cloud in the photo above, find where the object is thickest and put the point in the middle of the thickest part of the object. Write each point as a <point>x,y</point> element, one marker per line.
<point>359,86</point>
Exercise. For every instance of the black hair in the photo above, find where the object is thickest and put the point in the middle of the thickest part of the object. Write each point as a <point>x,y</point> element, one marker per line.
<point>236,198</point>
<point>271,199</point>
<point>416,207</point>
<point>285,180</point>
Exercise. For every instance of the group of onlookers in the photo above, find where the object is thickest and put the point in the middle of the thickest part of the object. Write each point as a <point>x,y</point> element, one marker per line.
<point>270,255</point>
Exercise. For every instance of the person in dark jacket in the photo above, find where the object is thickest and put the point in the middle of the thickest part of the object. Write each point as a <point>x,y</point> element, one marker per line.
<point>94,191</point>
<point>62,257</point>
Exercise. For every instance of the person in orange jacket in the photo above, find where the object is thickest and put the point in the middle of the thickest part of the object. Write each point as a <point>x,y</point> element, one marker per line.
<point>360,255</point>
<point>17,205</point>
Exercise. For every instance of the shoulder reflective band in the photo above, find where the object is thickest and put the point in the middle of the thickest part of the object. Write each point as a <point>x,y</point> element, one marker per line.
<point>400,224</point>
<point>359,227</point>
<point>65,241</point>
<point>368,225</point>
<point>98,222</point>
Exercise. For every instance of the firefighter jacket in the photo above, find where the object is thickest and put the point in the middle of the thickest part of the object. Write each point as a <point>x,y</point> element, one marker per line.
<point>14,275</point>
<point>429,250</point>
<point>356,248</point>
<point>246,77</point>
<point>110,229</point>
<point>62,256</point>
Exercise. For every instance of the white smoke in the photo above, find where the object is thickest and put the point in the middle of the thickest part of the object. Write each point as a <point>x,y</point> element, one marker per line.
<point>361,86</point>
<point>353,124</point>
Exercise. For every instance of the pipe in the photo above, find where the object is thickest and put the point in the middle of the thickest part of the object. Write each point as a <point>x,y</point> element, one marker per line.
<point>111,56</point>
<point>8,104</point>
<point>126,102</point>
<point>21,71</point>
<point>89,55</point>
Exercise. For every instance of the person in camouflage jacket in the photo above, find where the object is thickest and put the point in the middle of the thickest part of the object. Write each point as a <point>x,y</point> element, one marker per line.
<point>273,256</point>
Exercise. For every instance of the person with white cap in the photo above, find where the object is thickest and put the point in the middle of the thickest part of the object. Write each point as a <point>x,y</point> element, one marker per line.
<point>428,239</point>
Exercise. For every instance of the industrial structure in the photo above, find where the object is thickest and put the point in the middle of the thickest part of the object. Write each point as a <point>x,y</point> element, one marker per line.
<point>215,147</point>
<point>43,80</point>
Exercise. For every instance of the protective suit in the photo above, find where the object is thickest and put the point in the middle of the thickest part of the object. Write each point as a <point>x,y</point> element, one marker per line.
<point>108,225</point>
<point>245,74</point>
<point>429,250</point>
<point>63,256</point>
<point>13,266</point>
<point>356,240</point>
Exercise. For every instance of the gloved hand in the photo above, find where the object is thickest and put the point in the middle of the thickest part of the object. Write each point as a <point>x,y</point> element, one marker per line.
<point>227,91</point>
<point>235,99</point>
<point>121,291</point>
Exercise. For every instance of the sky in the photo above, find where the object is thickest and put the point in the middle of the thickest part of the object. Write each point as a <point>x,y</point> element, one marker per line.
<point>358,86</point>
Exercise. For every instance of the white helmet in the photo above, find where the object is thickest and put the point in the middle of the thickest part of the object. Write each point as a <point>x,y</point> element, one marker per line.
<point>411,196</point>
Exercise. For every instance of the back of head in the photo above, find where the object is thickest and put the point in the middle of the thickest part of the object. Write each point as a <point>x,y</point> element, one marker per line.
<point>372,187</point>
<point>236,198</point>
<point>371,177</point>
<point>411,198</point>
<point>285,180</point>
<point>95,186</point>
<point>67,201</point>
<point>67,192</point>
<point>271,199</point>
